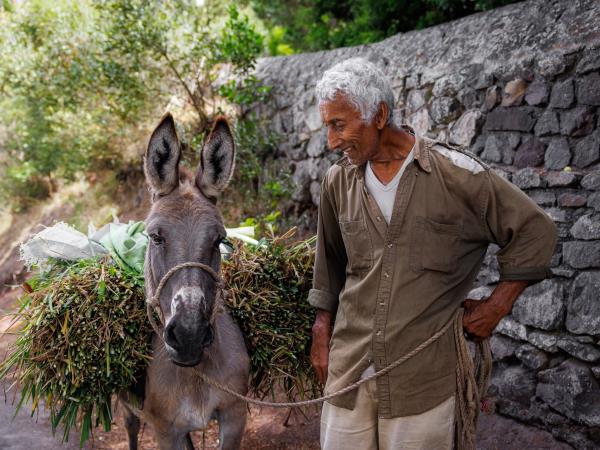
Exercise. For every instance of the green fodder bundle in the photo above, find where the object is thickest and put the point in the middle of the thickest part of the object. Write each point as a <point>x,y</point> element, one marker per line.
<point>84,336</point>
<point>268,288</point>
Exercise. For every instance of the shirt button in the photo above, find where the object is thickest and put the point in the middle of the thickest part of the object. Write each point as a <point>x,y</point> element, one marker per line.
<point>385,274</point>
<point>378,333</point>
<point>378,219</point>
<point>382,303</point>
<point>390,245</point>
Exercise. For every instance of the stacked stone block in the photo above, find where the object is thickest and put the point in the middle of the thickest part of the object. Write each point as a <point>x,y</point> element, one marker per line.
<point>520,88</point>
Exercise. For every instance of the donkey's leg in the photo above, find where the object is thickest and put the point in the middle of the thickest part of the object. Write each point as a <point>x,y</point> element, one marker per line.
<point>189,444</point>
<point>172,441</point>
<point>132,425</point>
<point>232,421</point>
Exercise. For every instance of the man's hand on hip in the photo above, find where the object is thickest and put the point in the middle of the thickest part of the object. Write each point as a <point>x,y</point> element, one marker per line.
<point>480,319</point>
<point>482,316</point>
<point>319,351</point>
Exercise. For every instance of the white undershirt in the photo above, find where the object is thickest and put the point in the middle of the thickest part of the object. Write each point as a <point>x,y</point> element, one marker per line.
<point>384,195</point>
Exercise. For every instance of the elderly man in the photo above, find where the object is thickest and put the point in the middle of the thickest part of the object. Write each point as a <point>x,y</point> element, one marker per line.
<point>404,224</point>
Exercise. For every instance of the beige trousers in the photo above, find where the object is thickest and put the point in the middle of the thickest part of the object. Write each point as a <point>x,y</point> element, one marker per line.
<point>361,429</point>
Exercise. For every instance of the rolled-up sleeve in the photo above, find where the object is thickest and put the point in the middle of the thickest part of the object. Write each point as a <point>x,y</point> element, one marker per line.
<point>329,273</point>
<point>524,232</point>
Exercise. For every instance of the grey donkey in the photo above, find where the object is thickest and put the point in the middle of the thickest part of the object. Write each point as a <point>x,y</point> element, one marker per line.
<point>185,225</point>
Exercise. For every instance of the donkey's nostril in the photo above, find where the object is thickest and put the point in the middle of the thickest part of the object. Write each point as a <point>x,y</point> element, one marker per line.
<point>171,337</point>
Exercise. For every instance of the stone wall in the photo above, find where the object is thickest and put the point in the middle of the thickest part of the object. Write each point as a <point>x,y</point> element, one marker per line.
<point>520,86</point>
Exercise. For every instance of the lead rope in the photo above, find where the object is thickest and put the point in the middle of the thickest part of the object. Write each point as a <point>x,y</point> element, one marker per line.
<point>471,377</point>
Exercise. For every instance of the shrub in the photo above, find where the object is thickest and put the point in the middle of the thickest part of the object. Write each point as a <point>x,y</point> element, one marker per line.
<point>78,77</point>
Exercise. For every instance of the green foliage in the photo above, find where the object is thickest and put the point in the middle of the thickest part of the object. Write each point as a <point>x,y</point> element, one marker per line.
<point>276,42</point>
<point>85,336</point>
<point>78,79</point>
<point>238,43</point>
<point>43,71</point>
<point>7,5</point>
<point>254,146</point>
<point>310,25</point>
<point>261,185</point>
<point>267,287</point>
<point>63,101</point>
<point>25,185</point>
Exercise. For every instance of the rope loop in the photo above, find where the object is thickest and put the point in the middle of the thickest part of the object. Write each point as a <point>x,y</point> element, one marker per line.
<point>153,303</point>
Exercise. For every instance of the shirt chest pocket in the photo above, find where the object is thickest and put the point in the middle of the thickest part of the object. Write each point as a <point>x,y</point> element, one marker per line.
<point>434,245</point>
<point>358,245</point>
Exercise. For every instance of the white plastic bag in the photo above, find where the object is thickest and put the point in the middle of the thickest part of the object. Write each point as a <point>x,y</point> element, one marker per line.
<point>59,241</point>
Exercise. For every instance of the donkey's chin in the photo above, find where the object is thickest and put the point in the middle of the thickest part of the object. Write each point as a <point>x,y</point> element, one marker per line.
<point>186,364</point>
<point>178,360</point>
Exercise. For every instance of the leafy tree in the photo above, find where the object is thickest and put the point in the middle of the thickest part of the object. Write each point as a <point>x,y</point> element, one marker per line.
<point>324,24</point>
<point>45,72</point>
<point>78,77</point>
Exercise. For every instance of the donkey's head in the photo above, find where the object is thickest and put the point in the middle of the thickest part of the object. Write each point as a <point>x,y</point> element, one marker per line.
<point>184,225</point>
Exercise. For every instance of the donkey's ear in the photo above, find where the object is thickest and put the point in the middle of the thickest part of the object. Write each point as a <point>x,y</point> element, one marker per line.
<point>161,162</point>
<point>217,161</point>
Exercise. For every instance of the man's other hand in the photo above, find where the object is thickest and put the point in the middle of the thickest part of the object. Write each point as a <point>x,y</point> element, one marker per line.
<point>319,351</point>
<point>482,316</point>
<point>479,319</point>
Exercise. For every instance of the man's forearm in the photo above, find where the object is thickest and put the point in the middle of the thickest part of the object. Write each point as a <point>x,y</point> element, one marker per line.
<point>505,295</point>
<point>324,316</point>
<point>319,351</point>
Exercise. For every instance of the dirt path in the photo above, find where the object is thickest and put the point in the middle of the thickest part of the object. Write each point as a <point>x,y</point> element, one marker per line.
<point>265,431</point>
<point>26,432</point>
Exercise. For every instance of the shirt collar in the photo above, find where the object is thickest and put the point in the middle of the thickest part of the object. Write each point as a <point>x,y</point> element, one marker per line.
<point>421,149</point>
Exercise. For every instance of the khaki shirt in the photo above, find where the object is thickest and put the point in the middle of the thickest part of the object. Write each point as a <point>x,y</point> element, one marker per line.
<point>392,286</point>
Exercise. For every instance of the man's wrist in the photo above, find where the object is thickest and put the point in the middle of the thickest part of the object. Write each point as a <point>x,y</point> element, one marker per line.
<point>323,316</point>
<point>499,306</point>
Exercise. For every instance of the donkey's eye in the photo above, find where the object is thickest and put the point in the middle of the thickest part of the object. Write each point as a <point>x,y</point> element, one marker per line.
<point>157,239</point>
<point>225,248</point>
<point>219,241</point>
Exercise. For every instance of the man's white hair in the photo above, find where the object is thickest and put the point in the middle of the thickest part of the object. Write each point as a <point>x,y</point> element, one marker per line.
<point>362,83</point>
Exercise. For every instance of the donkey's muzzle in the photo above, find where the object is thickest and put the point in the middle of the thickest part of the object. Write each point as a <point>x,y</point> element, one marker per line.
<point>185,347</point>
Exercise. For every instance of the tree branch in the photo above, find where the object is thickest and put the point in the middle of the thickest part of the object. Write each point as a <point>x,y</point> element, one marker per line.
<point>197,107</point>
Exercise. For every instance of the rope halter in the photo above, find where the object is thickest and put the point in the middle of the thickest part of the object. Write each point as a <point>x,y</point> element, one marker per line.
<point>153,303</point>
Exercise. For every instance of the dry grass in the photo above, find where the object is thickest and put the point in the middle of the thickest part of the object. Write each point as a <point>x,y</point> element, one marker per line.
<point>268,287</point>
<point>84,336</point>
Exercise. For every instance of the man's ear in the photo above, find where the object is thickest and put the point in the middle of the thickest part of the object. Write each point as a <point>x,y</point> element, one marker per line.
<point>381,115</point>
<point>217,160</point>
<point>161,161</point>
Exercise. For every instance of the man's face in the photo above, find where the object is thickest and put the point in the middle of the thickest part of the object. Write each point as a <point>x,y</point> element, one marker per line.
<point>346,130</point>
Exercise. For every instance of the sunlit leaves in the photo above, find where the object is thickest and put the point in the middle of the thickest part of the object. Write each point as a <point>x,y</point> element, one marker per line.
<point>76,77</point>
<point>326,24</point>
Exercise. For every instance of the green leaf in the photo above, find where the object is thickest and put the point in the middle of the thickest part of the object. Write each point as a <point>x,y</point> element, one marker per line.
<point>86,427</point>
